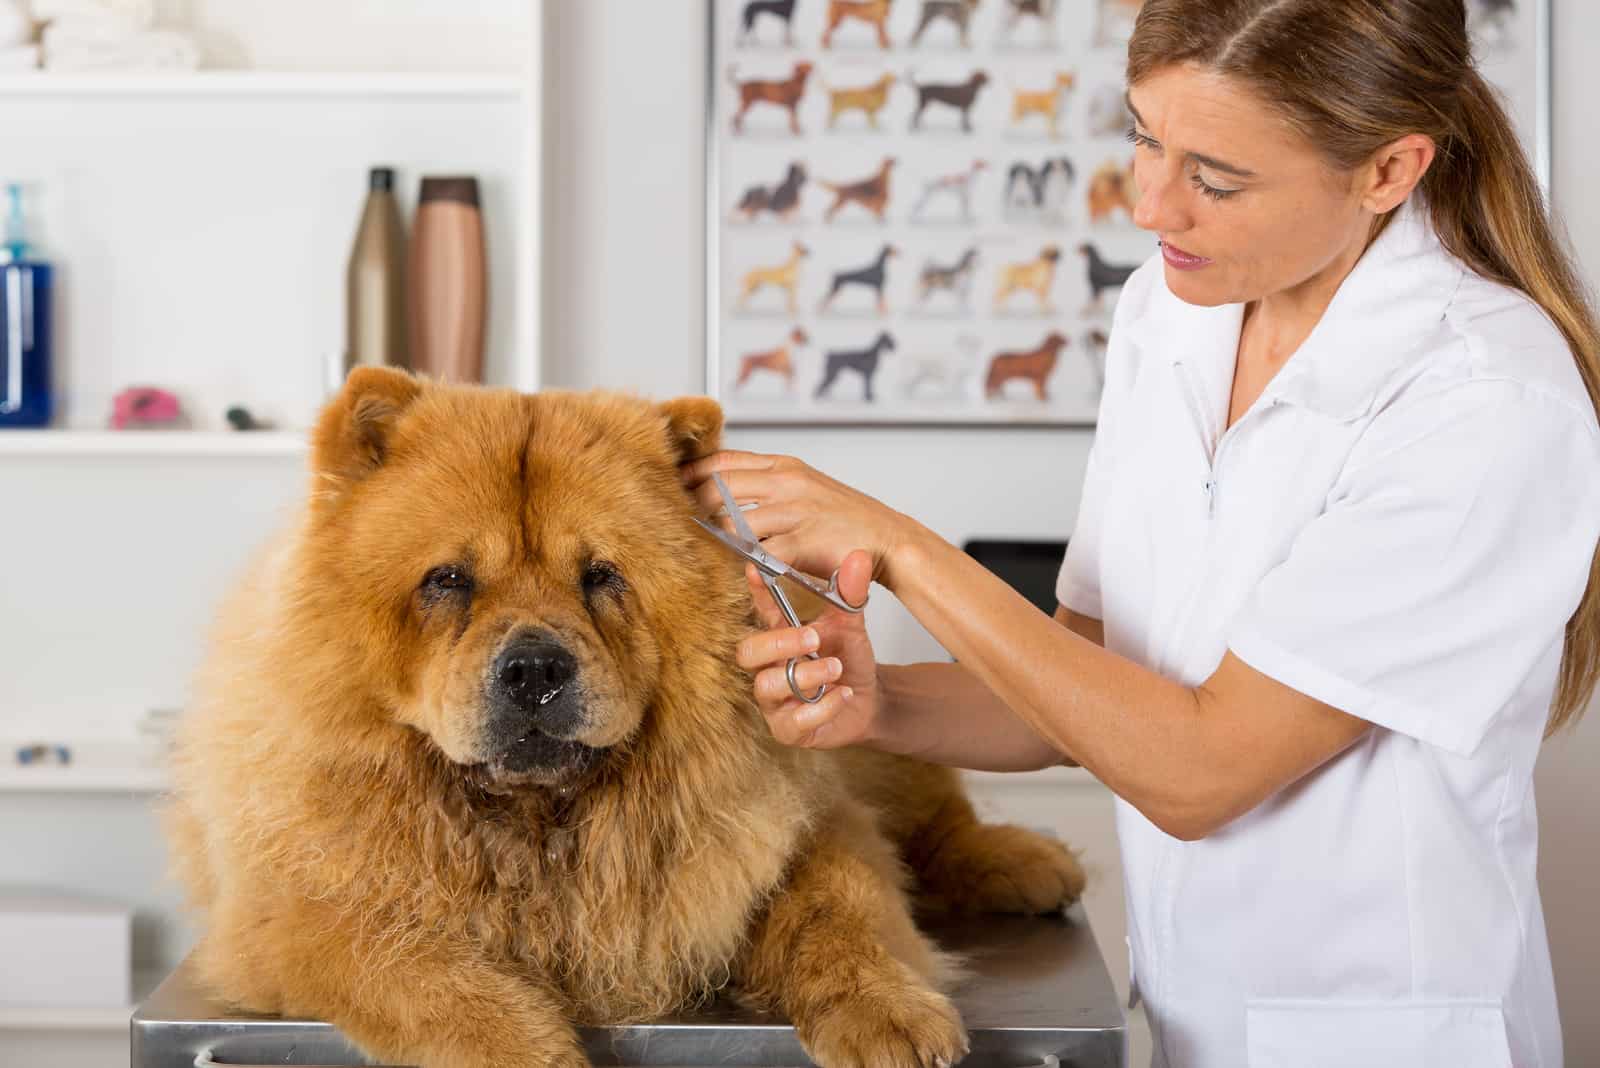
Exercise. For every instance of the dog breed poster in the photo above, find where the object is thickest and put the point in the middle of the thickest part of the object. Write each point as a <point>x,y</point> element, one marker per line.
<point>920,211</point>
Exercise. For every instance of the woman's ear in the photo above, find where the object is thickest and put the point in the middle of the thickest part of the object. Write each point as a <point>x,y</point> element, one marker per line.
<point>694,426</point>
<point>351,438</point>
<point>1397,168</point>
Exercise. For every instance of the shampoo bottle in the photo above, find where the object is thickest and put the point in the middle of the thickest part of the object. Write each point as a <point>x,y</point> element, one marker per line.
<point>24,325</point>
<point>375,283</point>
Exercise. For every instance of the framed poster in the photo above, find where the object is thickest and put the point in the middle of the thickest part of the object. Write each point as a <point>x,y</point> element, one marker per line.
<point>920,211</point>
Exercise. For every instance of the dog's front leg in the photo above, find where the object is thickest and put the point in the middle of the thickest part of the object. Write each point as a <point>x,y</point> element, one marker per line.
<point>837,952</point>
<point>403,996</point>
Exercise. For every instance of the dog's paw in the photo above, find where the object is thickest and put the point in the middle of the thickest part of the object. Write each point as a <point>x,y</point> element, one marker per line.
<point>992,868</point>
<point>909,1026</point>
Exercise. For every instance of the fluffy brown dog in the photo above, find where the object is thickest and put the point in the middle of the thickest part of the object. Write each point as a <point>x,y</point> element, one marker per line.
<point>471,761</point>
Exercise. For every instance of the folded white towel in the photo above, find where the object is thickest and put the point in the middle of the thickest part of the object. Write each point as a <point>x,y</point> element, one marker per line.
<point>140,13</point>
<point>15,26</point>
<point>19,58</point>
<point>153,50</point>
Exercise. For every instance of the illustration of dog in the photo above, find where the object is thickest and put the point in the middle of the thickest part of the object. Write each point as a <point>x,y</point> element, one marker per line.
<point>863,361</point>
<point>783,10</point>
<point>959,185</point>
<point>874,13</point>
<point>784,276</point>
<point>1046,102</point>
<point>955,278</point>
<point>868,99</point>
<point>785,94</point>
<point>1102,276</point>
<point>1042,11</point>
<point>779,360</point>
<point>782,200</point>
<point>1034,276</point>
<point>1034,365</point>
<point>959,12</point>
<point>872,192</point>
<point>1108,111</point>
<point>960,96</point>
<point>948,375</point>
<point>1035,184</point>
<point>1492,21</point>
<point>1095,344</point>
<point>1114,21</point>
<point>873,276</point>
<point>1112,189</point>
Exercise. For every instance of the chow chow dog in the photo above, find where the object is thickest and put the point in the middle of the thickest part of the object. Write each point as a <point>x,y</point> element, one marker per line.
<point>471,764</point>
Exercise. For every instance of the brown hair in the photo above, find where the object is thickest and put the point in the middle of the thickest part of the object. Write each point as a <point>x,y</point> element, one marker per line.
<point>1354,75</point>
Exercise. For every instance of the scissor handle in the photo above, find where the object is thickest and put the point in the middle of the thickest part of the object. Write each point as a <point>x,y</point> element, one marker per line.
<point>829,593</point>
<point>794,621</point>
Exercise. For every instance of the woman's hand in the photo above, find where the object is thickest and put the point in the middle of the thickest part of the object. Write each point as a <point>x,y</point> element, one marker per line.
<point>802,516</point>
<point>849,712</point>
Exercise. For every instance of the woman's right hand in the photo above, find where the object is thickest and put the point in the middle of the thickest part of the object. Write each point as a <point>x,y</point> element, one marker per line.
<point>848,713</point>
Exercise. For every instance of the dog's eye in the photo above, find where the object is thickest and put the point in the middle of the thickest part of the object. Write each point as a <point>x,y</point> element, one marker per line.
<point>450,577</point>
<point>601,576</point>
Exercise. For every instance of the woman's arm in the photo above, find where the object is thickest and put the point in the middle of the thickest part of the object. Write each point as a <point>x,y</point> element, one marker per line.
<point>942,713</point>
<point>1192,759</point>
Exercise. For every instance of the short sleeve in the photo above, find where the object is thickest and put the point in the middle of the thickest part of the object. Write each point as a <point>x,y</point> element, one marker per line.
<point>1078,582</point>
<point>1453,550</point>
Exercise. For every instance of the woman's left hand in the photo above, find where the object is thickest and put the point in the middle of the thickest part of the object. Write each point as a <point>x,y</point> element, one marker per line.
<point>803,517</point>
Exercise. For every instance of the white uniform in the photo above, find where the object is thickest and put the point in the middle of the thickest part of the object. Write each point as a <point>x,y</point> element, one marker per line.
<point>1400,526</point>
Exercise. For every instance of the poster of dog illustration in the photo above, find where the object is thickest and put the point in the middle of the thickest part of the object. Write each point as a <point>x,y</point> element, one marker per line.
<point>921,211</point>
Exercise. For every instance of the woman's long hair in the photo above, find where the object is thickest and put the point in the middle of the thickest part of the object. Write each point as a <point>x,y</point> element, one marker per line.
<point>1354,75</point>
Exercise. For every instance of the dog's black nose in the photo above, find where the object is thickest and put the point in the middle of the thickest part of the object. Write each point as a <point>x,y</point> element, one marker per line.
<point>531,674</point>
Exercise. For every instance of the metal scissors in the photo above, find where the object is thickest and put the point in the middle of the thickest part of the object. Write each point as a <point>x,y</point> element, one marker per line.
<point>747,545</point>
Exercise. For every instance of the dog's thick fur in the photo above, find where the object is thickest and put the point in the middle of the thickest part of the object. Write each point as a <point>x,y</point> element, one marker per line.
<point>379,836</point>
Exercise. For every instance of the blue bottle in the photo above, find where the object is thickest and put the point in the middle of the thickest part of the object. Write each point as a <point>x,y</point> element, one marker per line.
<point>24,326</point>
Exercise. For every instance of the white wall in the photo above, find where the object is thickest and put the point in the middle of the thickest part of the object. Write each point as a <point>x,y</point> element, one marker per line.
<point>624,306</point>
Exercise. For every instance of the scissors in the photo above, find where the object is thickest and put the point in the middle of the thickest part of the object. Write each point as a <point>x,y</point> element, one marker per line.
<point>747,545</point>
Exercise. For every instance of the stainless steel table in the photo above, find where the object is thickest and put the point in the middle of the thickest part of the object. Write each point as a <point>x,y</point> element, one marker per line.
<point>1039,995</point>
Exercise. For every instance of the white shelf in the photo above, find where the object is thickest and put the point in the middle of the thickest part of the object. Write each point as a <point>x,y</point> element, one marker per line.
<point>97,767</point>
<point>264,83</point>
<point>109,1018</point>
<point>102,443</point>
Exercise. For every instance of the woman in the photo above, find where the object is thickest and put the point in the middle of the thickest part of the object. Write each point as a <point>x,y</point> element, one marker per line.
<point>1333,573</point>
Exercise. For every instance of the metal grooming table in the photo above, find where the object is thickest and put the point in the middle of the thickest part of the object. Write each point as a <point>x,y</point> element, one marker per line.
<point>1039,996</point>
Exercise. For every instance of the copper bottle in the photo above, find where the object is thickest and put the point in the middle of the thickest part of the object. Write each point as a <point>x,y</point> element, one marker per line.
<point>449,296</point>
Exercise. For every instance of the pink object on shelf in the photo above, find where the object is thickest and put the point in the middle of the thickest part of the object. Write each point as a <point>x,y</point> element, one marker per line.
<point>145,406</point>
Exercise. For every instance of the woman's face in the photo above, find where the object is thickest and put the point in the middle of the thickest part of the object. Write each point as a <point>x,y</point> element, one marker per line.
<point>1245,208</point>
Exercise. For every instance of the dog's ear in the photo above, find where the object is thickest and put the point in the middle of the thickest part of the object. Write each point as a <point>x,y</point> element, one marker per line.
<point>694,426</point>
<point>351,437</point>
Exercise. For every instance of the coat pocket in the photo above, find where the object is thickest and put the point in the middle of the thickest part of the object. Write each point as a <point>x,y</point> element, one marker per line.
<point>1327,1033</point>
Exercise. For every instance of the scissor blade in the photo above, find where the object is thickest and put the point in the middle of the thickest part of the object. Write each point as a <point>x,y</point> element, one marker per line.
<point>748,549</point>
<point>739,522</point>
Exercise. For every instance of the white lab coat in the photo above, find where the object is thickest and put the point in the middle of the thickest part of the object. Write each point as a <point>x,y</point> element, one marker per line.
<point>1400,526</point>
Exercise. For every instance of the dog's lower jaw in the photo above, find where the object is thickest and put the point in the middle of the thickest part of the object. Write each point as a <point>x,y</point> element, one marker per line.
<point>564,768</point>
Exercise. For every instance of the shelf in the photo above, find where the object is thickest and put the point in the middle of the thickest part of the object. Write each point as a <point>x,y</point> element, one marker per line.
<point>263,83</point>
<point>109,1018</point>
<point>101,443</point>
<point>97,767</point>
